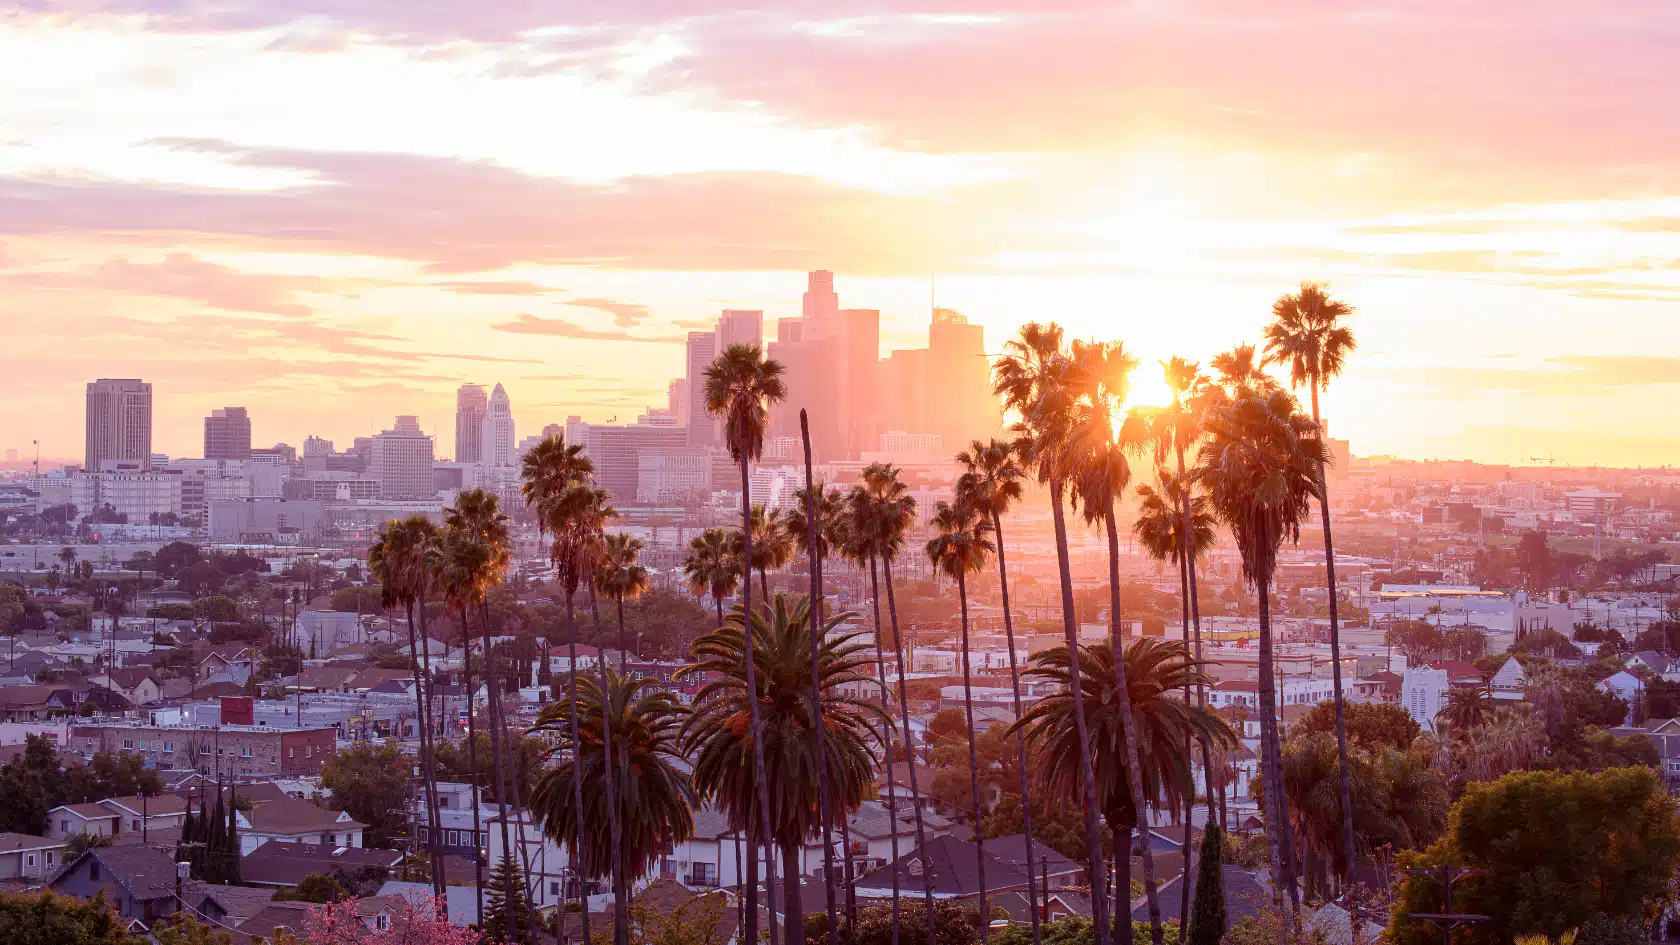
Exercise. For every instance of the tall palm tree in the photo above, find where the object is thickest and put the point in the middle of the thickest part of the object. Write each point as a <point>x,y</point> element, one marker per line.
<point>1036,379</point>
<point>623,577</point>
<point>710,567</point>
<point>957,550</point>
<point>476,520</point>
<point>825,807</point>
<point>990,484</point>
<point>1306,333</point>
<point>461,562</point>
<point>725,749</point>
<point>1099,441</point>
<point>545,472</point>
<point>1159,527</point>
<point>1467,707</point>
<point>403,559</point>
<point>1258,463</point>
<point>881,511</point>
<point>1152,716</point>
<point>741,385</point>
<point>648,781</point>
<point>772,546</point>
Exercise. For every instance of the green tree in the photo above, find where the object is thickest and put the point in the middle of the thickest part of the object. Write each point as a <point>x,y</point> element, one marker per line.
<point>710,567</point>
<point>183,929</point>
<point>32,784</point>
<point>371,782</point>
<point>317,888</point>
<point>951,924</point>
<point>654,797</point>
<point>1370,725</point>
<point>717,733</point>
<point>1207,914</point>
<point>49,917</point>
<point>507,916</point>
<point>622,576</point>
<point>1620,830</point>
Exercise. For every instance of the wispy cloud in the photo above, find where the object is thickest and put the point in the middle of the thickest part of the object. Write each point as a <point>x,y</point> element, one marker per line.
<point>527,324</point>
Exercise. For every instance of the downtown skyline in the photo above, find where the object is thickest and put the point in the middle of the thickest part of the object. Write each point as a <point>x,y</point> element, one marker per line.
<point>1506,230</point>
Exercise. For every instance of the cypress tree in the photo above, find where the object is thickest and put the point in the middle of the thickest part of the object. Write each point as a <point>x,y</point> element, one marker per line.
<point>231,873</point>
<point>215,842</point>
<point>1207,909</point>
<point>189,831</point>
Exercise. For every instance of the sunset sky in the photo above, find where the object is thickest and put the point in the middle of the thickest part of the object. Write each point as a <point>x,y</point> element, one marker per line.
<point>334,211</point>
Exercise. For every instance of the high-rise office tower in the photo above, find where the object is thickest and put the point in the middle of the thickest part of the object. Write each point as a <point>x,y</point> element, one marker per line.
<point>904,391</point>
<point>119,424</point>
<point>401,459</point>
<point>739,326</point>
<point>227,434</point>
<point>860,354</point>
<point>702,426</point>
<point>821,304</point>
<point>676,400</point>
<point>496,441</point>
<point>961,405</point>
<point>470,406</point>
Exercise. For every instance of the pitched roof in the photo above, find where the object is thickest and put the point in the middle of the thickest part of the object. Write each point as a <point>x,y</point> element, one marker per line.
<point>14,842</point>
<point>217,690</point>
<point>86,811</point>
<point>240,902</point>
<point>325,677</point>
<point>954,866</point>
<point>295,815</point>
<point>1012,850</point>
<point>130,676</point>
<point>1245,894</point>
<point>20,696</point>
<point>161,805</point>
<point>275,915</point>
<point>277,863</point>
<point>147,873</point>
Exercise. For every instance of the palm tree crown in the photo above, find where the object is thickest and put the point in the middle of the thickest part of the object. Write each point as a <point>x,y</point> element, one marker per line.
<point>1159,525</point>
<point>741,384</point>
<point>711,568</point>
<point>1306,333</point>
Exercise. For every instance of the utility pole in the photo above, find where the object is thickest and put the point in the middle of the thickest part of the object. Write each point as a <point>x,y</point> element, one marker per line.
<point>1448,919</point>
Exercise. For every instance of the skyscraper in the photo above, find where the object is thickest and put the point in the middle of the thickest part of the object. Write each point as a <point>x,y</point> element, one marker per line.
<point>401,459</point>
<point>227,434</point>
<point>961,405</point>
<point>470,407</point>
<point>497,439</point>
<point>860,354</point>
<point>821,304</point>
<point>119,424</point>
<point>676,399</point>
<point>702,426</point>
<point>738,326</point>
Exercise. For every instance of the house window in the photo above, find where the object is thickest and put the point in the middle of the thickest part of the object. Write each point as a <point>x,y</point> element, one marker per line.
<point>554,887</point>
<point>291,753</point>
<point>136,824</point>
<point>64,826</point>
<point>245,752</point>
<point>93,871</point>
<point>31,858</point>
<point>128,743</point>
<point>49,857</point>
<point>382,921</point>
<point>204,749</point>
<point>168,746</point>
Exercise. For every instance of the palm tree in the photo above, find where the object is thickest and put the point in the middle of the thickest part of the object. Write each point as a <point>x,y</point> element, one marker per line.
<point>741,385</point>
<point>1467,708</point>
<point>1034,378</point>
<point>991,483</point>
<point>772,546</point>
<point>546,471</point>
<point>725,749</point>
<point>1306,332</point>
<point>622,577</point>
<point>476,521</point>
<point>647,782</point>
<point>881,511</point>
<point>1099,442</point>
<point>1159,527</point>
<point>403,559</point>
<point>461,561</point>
<point>958,550</point>
<point>710,567</point>
<point>1151,717</point>
<point>1258,464</point>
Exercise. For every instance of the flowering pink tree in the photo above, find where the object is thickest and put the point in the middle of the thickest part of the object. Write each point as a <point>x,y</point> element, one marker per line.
<point>411,920</point>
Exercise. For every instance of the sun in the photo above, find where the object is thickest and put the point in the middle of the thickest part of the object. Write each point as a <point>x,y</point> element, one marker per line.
<point>1148,387</point>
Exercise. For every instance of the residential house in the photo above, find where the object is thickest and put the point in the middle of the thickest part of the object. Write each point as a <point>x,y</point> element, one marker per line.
<point>1626,687</point>
<point>291,820</point>
<point>1245,895</point>
<point>144,814</point>
<point>1665,736</point>
<point>137,684</point>
<point>278,863</point>
<point>35,703</point>
<point>28,859</point>
<point>68,820</point>
<point>1510,683</point>
<point>462,900</point>
<point>952,865</point>
<point>138,881</point>
<point>1651,660</point>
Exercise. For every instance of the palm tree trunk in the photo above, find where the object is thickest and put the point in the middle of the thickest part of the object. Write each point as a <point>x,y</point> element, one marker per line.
<point>816,628</point>
<point>1270,775</point>
<point>429,786</point>
<point>910,753</point>
<point>623,653</point>
<point>429,768</point>
<point>577,763</point>
<point>973,761</point>
<point>769,833</point>
<point>1122,839</point>
<point>1188,851</point>
<point>1134,766</point>
<point>887,741</point>
<point>794,908</point>
<point>752,888</point>
<point>1193,596</point>
<point>764,584</point>
<point>1345,784</point>
<point>1020,736</point>
<point>620,882</point>
<point>1070,630</point>
<point>472,763</point>
<point>498,737</point>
